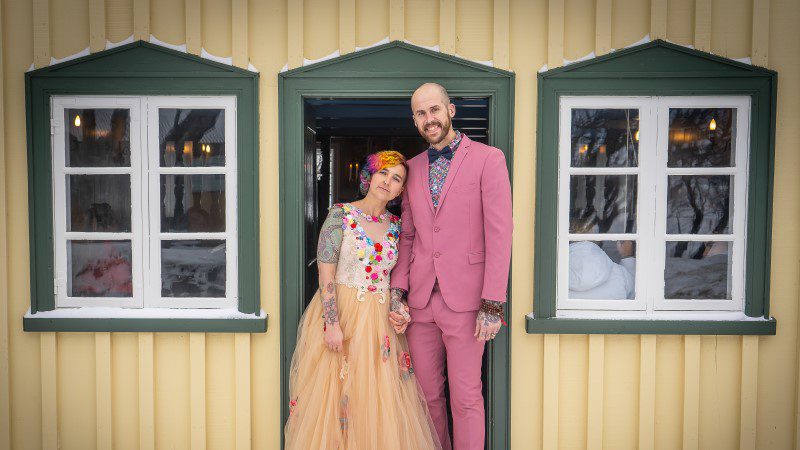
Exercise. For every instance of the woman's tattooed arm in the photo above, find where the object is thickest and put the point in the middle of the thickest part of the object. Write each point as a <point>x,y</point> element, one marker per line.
<point>330,242</point>
<point>329,310</point>
<point>330,237</point>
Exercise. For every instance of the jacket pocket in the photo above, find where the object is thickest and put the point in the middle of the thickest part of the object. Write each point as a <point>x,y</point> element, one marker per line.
<point>465,187</point>
<point>476,257</point>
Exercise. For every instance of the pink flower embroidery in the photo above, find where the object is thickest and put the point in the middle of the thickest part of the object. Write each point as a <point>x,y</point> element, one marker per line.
<point>404,361</point>
<point>372,288</point>
<point>385,349</point>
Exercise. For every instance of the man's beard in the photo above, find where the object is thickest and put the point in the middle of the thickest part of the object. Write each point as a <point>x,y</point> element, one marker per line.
<point>445,131</point>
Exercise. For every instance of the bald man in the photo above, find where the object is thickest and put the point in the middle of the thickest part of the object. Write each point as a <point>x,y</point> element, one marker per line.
<point>452,270</point>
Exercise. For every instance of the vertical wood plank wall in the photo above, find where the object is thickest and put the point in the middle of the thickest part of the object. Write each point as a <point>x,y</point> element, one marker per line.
<point>197,390</point>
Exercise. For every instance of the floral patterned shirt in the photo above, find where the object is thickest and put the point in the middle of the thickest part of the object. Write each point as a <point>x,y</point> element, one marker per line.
<point>438,171</point>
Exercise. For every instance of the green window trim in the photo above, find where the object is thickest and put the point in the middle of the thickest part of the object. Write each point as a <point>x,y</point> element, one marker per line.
<point>558,325</point>
<point>140,69</point>
<point>254,324</point>
<point>657,68</point>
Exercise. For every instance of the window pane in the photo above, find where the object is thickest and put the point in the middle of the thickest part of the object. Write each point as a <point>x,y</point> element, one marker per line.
<point>699,204</point>
<point>99,269</point>
<point>99,203</point>
<point>701,137</point>
<point>603,270</point>
<point>192,203</point>
<point>191,137</point>
<point>605,137</point>
<point>697,270</point>
<point>193,268</point>
<point>98,137</point>
<point>602,204</point>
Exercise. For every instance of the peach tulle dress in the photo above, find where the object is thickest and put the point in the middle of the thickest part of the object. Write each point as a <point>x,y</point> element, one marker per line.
<point>367,396</point>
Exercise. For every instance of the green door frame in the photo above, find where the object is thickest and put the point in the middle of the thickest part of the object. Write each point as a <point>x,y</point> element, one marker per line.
<point>391,70</point>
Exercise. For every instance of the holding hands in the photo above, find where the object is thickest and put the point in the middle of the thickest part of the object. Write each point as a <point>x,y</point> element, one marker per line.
<point>399,316</point>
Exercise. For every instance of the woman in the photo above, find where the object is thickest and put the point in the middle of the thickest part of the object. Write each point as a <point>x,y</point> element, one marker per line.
<point>352,384</point>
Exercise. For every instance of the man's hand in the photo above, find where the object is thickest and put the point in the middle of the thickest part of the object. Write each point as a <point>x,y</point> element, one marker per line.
<point>487,325</point>
<point>398,312</point>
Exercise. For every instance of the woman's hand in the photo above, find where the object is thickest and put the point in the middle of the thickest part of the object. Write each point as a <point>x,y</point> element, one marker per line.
<point>333,337</point>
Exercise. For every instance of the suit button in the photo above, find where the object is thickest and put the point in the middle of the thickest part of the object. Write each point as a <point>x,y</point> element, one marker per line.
<point>437,254</point>
<point>436,229</point>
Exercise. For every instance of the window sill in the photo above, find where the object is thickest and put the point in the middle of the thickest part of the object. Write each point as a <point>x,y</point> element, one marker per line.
<point>558,325</point>
<point>145,320</point>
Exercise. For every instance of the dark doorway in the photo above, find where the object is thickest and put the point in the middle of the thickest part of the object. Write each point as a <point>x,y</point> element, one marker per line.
<point>341,132</point>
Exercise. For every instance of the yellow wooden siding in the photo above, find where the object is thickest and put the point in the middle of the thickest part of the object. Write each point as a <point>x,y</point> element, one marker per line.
<point>196,390</point>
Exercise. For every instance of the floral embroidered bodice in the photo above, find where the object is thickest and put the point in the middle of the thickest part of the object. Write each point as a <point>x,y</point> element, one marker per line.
<point>363,263</point>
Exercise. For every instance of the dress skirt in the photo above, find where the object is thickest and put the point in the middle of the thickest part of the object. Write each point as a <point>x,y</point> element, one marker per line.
<point>365,397</point>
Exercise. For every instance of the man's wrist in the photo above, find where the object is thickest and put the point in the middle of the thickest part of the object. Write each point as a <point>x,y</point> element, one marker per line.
<point>492,307</point>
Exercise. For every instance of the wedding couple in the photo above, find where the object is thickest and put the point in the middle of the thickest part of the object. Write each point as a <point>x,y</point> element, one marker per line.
<point>397,305</point>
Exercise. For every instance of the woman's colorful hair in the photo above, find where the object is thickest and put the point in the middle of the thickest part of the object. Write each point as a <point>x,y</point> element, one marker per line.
<point>376,162</point>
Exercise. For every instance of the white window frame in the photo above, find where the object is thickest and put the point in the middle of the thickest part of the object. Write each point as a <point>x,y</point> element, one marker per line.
<point>650,236</point>
<point>145,172</point>
<point>154,299</point>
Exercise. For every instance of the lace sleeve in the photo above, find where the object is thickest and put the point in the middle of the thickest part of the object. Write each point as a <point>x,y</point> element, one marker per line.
<point>330,237</point>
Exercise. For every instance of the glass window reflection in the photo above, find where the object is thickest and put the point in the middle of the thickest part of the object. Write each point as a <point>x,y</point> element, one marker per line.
<point>99,203</point>
<point>604,270</point>
<point>193,203</point>
<point>699,204</point>
<point>193,268</point>
<point>605,138</point>
<point>99,269</point>
<point>191,137</point>
<point>602,204</point>
<point>701,137</point>
<point>97,137</point>
<point>697,270</point>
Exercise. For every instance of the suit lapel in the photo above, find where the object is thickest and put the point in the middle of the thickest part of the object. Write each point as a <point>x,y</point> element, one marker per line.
<point>425,181</point>
<point>458,158</point>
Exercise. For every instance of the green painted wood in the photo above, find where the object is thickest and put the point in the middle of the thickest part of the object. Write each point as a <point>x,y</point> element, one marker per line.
<point>397,58</point>
<point>141,58</point>
<point>140,68</point>
<point>650,70</point>
<point>254,325</point>
<point>390,70</point>
<point>554,325</point>
<point>659,58</point>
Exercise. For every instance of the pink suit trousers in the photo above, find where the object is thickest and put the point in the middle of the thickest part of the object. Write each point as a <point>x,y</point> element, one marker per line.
<point>449,259</point>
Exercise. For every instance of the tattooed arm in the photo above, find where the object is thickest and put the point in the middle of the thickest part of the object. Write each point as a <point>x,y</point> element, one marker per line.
<point>328,247</point>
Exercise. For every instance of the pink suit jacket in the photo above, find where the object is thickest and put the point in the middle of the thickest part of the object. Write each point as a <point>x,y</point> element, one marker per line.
<point>466,242</point>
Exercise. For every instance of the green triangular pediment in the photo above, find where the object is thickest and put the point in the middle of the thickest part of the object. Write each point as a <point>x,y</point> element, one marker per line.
<point>395,59</point>
<point>139,57</point>
<point>657,57</point>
